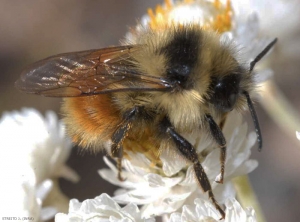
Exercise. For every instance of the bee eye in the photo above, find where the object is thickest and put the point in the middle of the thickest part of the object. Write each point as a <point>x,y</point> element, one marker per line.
<point>225,92</point>
<point>232,99</point>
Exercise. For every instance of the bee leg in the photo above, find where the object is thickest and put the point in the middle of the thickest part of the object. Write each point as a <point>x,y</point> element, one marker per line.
<point>222,123</point>
<point>118,137</point>
<point>117,152</point>
<point>189,152</point>
<point>218,136</point>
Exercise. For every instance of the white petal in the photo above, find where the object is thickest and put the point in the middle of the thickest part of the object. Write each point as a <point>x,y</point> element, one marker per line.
<point>251,216</point>
<point>47,213</point>
<point>67,173</point>
<point>175,217</point>
<point>189,179</point>
<point>141,197</point>
<point>155,180</point>
<point>205,209</point>
<point>171,167</point>
<point>102,208</point>
<point>43,189</point>
<point>298,135</point>
<point>131,210</point>
<point>60,217</point>
<point>234,212</point>
<point>189,214</point>
<point>224,192</point>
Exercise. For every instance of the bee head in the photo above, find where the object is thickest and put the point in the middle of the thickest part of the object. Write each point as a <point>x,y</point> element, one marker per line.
<point>225,91</point>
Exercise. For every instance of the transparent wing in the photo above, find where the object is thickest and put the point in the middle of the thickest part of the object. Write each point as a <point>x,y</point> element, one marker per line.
<point>87,73</point>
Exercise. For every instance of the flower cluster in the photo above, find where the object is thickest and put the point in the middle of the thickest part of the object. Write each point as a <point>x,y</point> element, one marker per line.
<point>203,211</point>
<point>102,208</point>
<point>167,189</point>
<point>33,153</point>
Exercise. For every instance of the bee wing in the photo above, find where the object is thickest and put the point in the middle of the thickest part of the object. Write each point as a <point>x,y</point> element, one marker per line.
<point>88,73</point>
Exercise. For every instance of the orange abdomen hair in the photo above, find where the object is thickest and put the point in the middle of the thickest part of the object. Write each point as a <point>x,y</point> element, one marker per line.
<point>90,120</point>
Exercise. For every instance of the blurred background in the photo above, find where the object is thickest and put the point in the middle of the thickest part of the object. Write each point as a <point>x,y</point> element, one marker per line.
<point>32,30</point>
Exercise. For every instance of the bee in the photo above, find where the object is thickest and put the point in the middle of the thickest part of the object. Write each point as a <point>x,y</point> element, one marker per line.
<point>168,83</point>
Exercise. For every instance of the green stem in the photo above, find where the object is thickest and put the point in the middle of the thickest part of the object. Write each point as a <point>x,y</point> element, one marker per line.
<point>279,108</point>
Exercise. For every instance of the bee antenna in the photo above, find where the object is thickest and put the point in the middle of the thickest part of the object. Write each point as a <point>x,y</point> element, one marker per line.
<point>262,54</point>
<point>255,120</point>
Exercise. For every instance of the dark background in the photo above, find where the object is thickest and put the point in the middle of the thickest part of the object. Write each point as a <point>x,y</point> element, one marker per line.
<point>32,30</point>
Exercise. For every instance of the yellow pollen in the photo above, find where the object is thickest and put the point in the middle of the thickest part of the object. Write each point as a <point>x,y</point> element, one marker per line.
<point>220,21</point>
<point>168,4</point>
<point>145,145</point>
<point>217,4</point>
<point>188,1</point>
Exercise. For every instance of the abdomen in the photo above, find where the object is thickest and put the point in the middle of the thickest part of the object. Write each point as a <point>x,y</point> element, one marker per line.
<point>91,120</point>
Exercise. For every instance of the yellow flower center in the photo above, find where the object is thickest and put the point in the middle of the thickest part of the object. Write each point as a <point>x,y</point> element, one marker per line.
<point>210,15</point>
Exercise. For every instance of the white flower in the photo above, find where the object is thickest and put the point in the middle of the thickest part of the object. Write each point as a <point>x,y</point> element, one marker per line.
<point>39,141</point>
<point>298,135</point>
<point>204,211</point>
<point>102,208</point>
<point>167,189</point>
<point>33,151</point>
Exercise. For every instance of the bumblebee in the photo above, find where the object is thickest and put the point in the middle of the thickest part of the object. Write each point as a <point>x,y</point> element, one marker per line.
<point>182,80</point>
